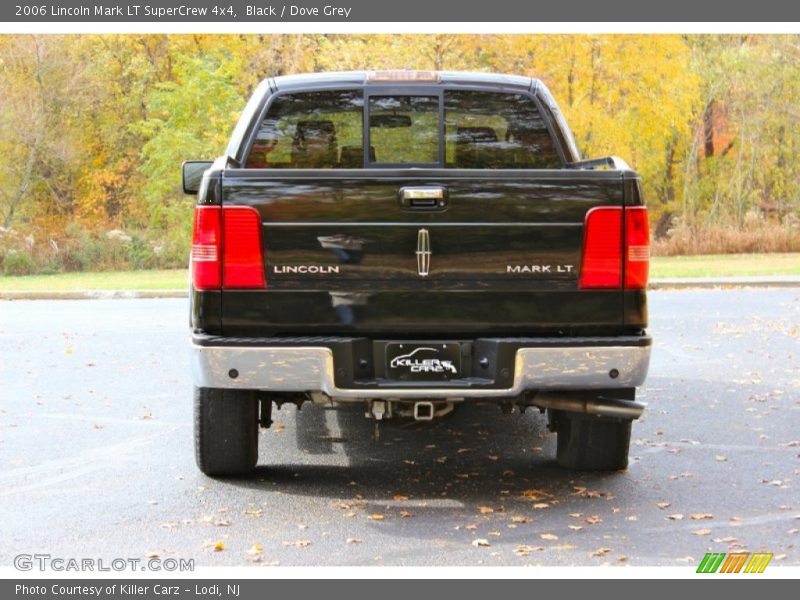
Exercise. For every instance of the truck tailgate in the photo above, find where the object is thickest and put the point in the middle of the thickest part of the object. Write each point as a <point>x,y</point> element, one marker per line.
<point>467,253</point>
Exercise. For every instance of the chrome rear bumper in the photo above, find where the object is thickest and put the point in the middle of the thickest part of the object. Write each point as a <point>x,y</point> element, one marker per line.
<point>311,369</point>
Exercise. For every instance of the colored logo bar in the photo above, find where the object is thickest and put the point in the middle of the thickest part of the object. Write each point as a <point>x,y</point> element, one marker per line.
<point>736,562</point>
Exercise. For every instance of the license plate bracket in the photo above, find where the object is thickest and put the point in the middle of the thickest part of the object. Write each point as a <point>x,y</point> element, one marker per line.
<point>423,361</point>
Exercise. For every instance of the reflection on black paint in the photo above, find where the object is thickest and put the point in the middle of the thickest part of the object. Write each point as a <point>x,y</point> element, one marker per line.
<point>347,249</point>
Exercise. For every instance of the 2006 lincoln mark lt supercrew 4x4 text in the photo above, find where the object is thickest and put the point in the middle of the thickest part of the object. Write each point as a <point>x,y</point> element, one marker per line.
<point>412,241</point>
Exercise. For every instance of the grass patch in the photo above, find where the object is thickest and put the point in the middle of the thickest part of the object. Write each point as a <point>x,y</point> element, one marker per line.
<point>725,265</point>
<point>714,265</point>
<point>172,279</point>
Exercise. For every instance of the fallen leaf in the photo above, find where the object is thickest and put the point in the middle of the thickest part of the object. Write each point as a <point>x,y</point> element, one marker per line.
<point>575,527</point>
<point>551,537</point>
<point>219,546</point>
<point>541,505</point>
<point>222,523</point>
<point>152,555</point>
<point>675,517</point>
<point>593,520</point>
<point>606,495</point>
<point>485,510</point>
<point>534,494</point>
<point>376,517</point>
<point>404,514</point>
<point>354,541</point>
<point>576,515</point>
<point>701,532</point>
<point>480,542</point>
<point>256,549</point>
<point>520,520</point>
<point>278,426</point>
<point>253,512</point>
<point>720,458</point>
<point>700,516</point>
<point>663,505</point>
<point>601,551</point>
<point>470,527</point>
<point>400,498</point>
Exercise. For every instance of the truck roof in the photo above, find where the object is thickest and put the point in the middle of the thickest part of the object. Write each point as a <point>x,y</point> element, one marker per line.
<point>313,80</point>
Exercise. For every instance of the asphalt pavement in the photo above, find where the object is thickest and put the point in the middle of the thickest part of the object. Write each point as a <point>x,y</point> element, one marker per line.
<point>96,454</point>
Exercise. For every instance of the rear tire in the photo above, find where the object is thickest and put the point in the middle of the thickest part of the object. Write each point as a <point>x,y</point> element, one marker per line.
<point>225,431</point>
<point>591,443</point>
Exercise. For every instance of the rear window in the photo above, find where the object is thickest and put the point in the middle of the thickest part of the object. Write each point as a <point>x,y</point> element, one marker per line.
<point>315,130</point>
<point>487,130</point>
<point>481,130</point>
<point>404,130</point>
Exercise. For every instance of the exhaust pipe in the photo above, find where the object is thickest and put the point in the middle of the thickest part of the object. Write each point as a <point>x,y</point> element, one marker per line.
<point>423,411</point>
<point>607,407</point>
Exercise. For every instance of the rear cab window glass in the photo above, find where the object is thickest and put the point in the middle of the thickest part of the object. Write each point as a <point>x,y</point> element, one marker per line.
<point>314,130</point>
<point>404,129</point>
<point>490,130</point>
<point>481,130</point>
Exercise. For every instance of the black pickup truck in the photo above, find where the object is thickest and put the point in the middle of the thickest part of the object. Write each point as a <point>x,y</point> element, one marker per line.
<point>413,241</point>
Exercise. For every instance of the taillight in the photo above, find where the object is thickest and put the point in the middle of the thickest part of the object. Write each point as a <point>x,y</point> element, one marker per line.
<point>242,261</point>
<point>206,246</point>
<point>604,249</point>
<point>637,247</point>
<point>226,248</point>
<point>601,266</point>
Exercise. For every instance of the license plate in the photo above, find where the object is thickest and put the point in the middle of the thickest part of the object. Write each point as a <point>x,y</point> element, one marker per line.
<point>423,361</point>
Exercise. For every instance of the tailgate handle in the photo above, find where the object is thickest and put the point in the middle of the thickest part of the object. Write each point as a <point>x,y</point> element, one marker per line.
<point>423,198</point>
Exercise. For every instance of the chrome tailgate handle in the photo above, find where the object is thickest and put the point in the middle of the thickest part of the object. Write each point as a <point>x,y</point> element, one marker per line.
<point>423,197</point>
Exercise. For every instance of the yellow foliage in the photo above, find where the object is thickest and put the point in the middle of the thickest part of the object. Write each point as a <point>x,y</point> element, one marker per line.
<point>119,112</point>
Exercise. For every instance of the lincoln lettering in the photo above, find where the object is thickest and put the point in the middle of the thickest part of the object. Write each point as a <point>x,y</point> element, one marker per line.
<point>306,269</point>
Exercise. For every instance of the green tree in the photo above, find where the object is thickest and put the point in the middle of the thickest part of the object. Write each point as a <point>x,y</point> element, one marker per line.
<point>190,117</point>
